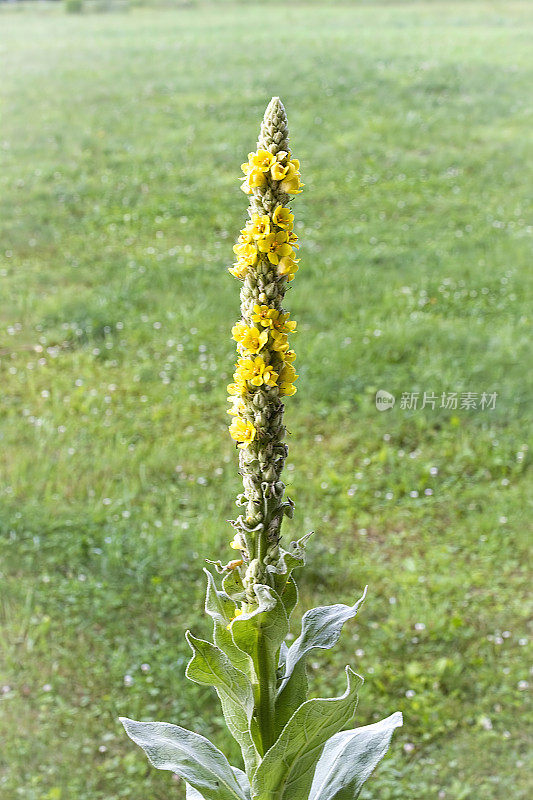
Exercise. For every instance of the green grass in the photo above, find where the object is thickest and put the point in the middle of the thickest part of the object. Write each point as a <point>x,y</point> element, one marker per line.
<point>121,142</point>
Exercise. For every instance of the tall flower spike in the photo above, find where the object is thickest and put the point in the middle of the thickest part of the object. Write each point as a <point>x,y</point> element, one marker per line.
<point>290,745</point>
<point>264,372</point>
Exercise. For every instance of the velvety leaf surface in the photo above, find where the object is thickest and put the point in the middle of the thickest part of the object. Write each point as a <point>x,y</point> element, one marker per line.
<point>286,772</point>
<point>218,605</point>
<point>349,758</point>
<point>267,622</point>
<point>289,596</point>
<point>321,628</point>
<point>293,694</point>
<point>188,754</point>
<point>242,779</point>
<point>221,608</point>
<point>209,666</point>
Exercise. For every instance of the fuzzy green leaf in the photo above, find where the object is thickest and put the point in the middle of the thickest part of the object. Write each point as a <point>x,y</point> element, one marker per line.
<point>286,772</point>
<point>242,779</point>
<point>188,754</point>
<point>283,650</point>
<point>289,596</point>
<point>218,605</point>
<point>288,560</point>
<point>267,622</point>
<point>292,696</point>
<point>221,608</point>
<point>349,758</point>
<point>240,660</point>
<point>233,585</point>
<point>209,666</point>
<point>321,628</point>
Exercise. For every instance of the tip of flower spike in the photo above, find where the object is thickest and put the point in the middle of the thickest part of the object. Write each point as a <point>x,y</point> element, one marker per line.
<point>274,134</point>
<point>274,108</point>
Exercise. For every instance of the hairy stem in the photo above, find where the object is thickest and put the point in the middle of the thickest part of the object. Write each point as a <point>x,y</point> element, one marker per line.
<point>265,706</point>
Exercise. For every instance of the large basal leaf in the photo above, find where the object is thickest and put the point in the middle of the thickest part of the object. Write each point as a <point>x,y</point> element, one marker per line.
<point>188,754</point>
<point>349,758</point>
<point>209,666</point>
<point>242,779</point>
<point>286,772</point>
<point>321,628</point>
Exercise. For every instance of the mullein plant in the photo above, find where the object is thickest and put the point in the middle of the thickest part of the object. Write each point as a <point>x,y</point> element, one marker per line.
<point>293,748</point>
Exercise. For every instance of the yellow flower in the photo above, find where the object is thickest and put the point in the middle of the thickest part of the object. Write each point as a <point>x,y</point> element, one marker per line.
<point>287,374</point>
<point>287,389</point>
<point>256,371</point>
<point>238,330</point>
<point>279,341</point>
<point>237,388</point>
<point>291,182</point>
<point>264,315</point>
<point>289,356</point>
<point>253,340</point>
<point>293,240</point>
<point>262,160</point>
<point>239,542</point>
<point>242,431</point>
<point>246,252</point>
<point>259,226</point>
<point>286,378</point>
<point>283,218</point>
<point>283,324</point>
<point>246,236</point>
<point>255,179</point>
<point>288,267</point>
<point>275,246</point>
<point>278,171</point>
<point>239,269</point>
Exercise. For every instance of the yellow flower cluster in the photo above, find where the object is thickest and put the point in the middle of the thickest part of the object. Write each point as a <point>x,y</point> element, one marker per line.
<point>253,368</point>
<point>266,242</point>
<point>271,238</point>
<point>280,167</point>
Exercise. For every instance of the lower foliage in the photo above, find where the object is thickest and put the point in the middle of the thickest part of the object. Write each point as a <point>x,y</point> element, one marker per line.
<point>308,756</point>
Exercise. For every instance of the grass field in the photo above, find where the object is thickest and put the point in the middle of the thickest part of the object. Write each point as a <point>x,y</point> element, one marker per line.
<point>121,141</point>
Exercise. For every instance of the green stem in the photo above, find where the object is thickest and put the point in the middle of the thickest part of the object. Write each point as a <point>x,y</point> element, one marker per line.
<point>265,710</point>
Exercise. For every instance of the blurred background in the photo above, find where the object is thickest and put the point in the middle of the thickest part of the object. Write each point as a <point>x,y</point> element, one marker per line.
<point>123,127</point>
